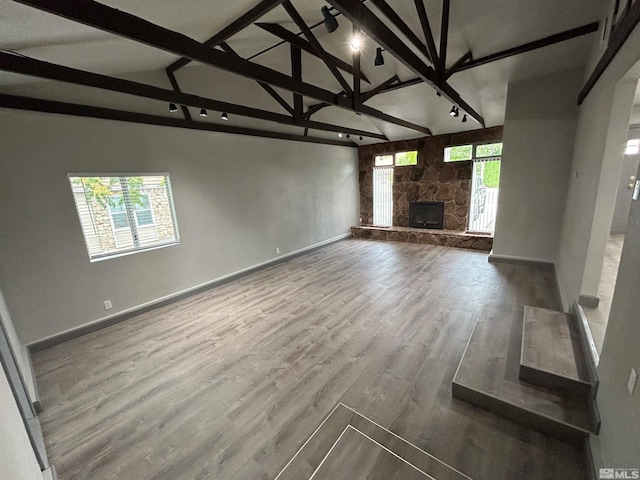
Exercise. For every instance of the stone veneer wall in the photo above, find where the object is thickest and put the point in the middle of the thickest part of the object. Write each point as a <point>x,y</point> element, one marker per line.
<point>430,180</point>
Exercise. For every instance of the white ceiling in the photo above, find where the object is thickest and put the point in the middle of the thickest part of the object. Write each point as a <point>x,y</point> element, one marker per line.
<point>483,26</point>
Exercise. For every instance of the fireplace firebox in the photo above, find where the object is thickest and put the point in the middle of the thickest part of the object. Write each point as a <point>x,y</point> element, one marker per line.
<point>426,215</point>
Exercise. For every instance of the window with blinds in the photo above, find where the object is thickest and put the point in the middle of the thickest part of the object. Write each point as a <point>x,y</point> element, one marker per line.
<point>124,214</point>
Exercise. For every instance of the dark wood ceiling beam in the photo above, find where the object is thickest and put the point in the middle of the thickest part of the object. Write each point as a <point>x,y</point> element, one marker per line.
<point>48,106</point>
<point>618,37</point>
<point>458,63</point>
<point>315,108</point>
<point>326,58</point>
<point>527,47</point>
<point>296,72</point>
<point>234,27</point>
<point>28,66</point>
<point>290,37</point>
<point>426,30</point>
<point>372,93</point>
<point>176,88</point>
<point>390,13</point>
<point>444,37</point>
<point>357,13</point>
<point>265,86</point>
<point>129,26</point>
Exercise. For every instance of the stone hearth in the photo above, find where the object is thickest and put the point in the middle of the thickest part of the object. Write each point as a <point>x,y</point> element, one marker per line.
<point>445,238</point>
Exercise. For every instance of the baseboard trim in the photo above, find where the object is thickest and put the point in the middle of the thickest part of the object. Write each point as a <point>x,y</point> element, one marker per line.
<point>104,322</point>
<point>589,301</point>
<point>531,262</point>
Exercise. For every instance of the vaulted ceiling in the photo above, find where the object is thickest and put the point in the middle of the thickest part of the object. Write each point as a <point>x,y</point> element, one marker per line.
<point>481,27</point>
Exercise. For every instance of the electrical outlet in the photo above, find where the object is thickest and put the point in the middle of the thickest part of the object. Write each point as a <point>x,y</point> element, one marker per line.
<point>633,380</point>
<point>107,305</point>
<point>277,251</point>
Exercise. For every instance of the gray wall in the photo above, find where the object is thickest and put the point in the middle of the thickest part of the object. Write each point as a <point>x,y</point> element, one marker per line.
<point>17,460</point>
<point>539,129</point>
<point>589,203</point>
<point>237,199</point>
<point>618,444</point>
<point>595,172</point>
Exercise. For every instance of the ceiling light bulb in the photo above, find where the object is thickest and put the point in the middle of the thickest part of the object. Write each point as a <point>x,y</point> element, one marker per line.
<point>224,116</point>
<point>340,135</point>
<point>173,108</point>
<point>203,112</point>
<point>355,42</point>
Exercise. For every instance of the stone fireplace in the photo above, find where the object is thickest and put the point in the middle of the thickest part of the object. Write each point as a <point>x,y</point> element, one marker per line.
<point>426,215</point>
<point>431,180</point>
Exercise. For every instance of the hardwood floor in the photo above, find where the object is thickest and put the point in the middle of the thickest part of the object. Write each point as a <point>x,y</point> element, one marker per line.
<point>229,383</point>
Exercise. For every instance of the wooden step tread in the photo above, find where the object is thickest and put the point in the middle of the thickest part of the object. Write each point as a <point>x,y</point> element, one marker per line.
<point>488,376</point>
<point>551,343</point>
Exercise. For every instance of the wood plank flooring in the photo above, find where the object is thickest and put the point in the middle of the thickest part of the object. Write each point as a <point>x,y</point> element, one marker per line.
<point>228,384</point>
<point>551,343</point>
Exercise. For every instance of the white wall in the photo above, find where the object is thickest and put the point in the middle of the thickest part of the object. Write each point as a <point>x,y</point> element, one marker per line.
<point>539,129</point>
<point>597,163</point>
<point>618,444</point>
<point>237,198</point>
<point>17,460</point>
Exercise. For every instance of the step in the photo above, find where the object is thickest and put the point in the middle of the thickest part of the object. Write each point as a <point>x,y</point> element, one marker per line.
<point>488,377</point>
<point>552,354</point>
<point>348,443</point>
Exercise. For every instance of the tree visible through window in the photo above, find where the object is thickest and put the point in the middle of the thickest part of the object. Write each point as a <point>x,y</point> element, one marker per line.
<point>124,213</point>
<point>462,153</point>
<point>399,159</point>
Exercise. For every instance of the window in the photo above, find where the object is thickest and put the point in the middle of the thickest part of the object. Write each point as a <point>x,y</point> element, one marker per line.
<point>399,159</point>
<point>633,147</point>
<point>124,214</point>
<point>462,153</point>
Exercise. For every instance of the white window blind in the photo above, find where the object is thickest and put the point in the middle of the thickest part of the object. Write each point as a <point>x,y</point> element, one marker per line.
<point>122,214</point>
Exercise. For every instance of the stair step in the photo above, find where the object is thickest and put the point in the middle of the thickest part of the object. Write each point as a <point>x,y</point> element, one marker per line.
<point>488,377</point>
<point>551,353</point>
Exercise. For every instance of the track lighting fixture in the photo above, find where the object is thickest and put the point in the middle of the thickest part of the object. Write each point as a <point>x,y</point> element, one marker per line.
<point>173,108</point>
<point>379,58</point>
<point>360,137</point>
<point>224,116</point>
<point>348,136</point>
<point>330,22</point>
<point>464,118</point>
<point>454,112</point>
<point>356,41</point>
<point>438,93</point>
<point>340,134</point>
<point>203,112</point>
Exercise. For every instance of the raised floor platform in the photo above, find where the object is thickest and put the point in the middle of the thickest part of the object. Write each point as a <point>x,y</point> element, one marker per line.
<point>445,238</point>
<point>489,373</point>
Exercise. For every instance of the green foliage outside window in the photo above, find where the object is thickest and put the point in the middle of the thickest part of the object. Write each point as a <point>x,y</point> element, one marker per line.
<point>458,154</point>
<point>489,150</point>
<point>491,174</point>
<point>406,158</point>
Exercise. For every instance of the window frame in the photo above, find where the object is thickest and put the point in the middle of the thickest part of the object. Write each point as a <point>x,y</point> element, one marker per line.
<point>133,250</point>
<point>393,154</point>
<point>474,149</point>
